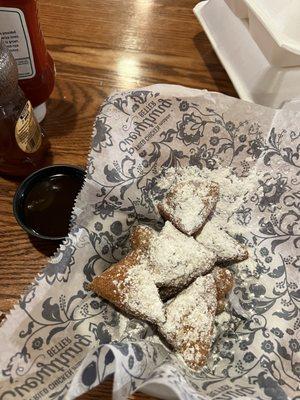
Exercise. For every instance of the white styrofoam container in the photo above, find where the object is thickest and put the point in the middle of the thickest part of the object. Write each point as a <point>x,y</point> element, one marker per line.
<point>252,75</point>
<point>238,7</point>
<point>275,26</point>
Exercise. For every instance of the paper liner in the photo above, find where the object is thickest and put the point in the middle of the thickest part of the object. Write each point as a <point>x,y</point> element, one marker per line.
<point>62,340</point>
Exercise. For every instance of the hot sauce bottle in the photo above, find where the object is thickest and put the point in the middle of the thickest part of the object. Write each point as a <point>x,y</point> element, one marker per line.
<point>22,143</point>
<point>21,33</point>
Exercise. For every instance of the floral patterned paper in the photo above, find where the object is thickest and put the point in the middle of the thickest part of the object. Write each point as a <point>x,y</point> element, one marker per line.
<point>61,340</point>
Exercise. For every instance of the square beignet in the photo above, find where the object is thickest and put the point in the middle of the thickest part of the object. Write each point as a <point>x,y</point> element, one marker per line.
<point>130,287</point>
<point>174,259</point>
<point>227,249</point>
<point>189,321</point>
<point>188,204</point>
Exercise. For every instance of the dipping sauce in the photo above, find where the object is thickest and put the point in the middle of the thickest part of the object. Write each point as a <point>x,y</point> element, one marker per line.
<point>49,203</point>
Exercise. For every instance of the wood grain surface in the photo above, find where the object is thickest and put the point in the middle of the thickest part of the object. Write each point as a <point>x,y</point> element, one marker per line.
<point>100,46</point>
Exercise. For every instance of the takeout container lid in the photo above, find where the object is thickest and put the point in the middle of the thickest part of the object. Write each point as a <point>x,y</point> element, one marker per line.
<point>238,7</point>
<point>253,76</point>
<point>274,26</point>
<point>25,187</point>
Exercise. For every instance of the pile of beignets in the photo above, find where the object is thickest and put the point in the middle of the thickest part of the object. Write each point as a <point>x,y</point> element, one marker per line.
<point>174,278</point>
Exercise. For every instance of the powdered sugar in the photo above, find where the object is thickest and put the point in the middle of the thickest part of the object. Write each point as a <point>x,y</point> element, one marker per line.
<point>175,258</point>
<point>141,295</point>
<point>221,324</point>
<point>189,320</point>
<point>188,204</point>
<point>172,260</point>
<point>215,238</point>
<point>233,190</point>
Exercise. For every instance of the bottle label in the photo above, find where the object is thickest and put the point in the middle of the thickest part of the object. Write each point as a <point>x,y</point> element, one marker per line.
<point>14,33</point>
<point>27,131</point>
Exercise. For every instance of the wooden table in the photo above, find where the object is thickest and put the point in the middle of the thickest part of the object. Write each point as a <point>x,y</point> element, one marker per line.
<point>100,46</point>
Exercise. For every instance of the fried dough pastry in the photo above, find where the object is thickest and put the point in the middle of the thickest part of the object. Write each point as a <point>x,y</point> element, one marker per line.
<point>141,237</point>
<point>189,321</point>
<point>188,204</point>
<point>130,287</point>
<point>173,264</point>
<point>174,259</point>
<point>224,283</point>
<point>227,249</point>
